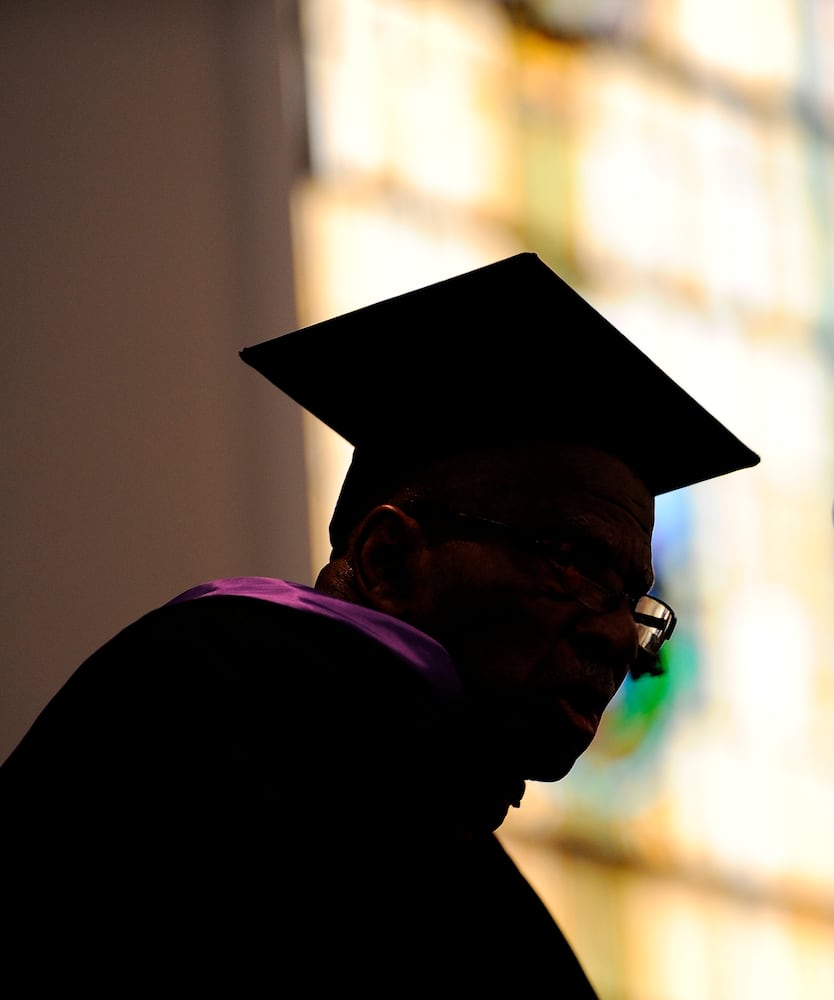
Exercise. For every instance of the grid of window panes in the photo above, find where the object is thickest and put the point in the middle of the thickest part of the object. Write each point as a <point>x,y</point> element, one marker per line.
<point>673,159</point>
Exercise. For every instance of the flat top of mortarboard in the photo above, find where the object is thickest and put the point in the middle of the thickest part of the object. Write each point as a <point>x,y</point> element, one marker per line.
<point>506,353</point>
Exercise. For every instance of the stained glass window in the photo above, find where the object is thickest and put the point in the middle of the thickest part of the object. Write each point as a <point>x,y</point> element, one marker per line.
<point>675,162</point>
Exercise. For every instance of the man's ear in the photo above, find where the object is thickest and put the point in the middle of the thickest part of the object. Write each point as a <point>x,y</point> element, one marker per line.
<point>386,553</point>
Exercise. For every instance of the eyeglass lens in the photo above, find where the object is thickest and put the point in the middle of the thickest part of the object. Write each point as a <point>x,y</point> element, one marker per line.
<point>655,623</point>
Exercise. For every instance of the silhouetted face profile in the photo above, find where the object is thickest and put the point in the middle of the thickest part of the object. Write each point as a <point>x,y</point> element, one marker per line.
<point>529,591</point>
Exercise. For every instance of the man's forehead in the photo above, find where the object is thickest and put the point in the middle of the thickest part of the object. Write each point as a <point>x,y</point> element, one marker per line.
<point>577,477</point>
<point>543,483</point>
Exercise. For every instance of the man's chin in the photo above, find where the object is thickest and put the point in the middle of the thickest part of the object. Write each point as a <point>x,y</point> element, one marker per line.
<point>538,745</point>
<point>549,772</point>
<point>548,761</point>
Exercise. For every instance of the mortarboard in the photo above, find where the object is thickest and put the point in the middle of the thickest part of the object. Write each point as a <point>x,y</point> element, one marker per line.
<point>507,353</point>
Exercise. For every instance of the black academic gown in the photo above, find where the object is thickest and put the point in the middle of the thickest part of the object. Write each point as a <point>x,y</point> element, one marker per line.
<point>235,796</point>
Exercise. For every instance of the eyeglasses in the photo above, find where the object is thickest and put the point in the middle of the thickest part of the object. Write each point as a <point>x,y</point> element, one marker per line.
<point>654,618</point>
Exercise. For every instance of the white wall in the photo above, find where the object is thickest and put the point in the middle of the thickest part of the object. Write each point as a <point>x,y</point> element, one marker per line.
<point>146,154</point>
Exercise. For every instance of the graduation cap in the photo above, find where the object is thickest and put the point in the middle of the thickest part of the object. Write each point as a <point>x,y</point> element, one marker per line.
<point>507,353</point>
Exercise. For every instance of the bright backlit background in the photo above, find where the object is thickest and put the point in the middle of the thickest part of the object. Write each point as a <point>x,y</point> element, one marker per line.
<point>674,162</point>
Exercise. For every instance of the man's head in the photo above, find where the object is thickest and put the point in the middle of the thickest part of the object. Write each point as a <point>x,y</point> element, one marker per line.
<point>491,413</point>
<point>482,552</point>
